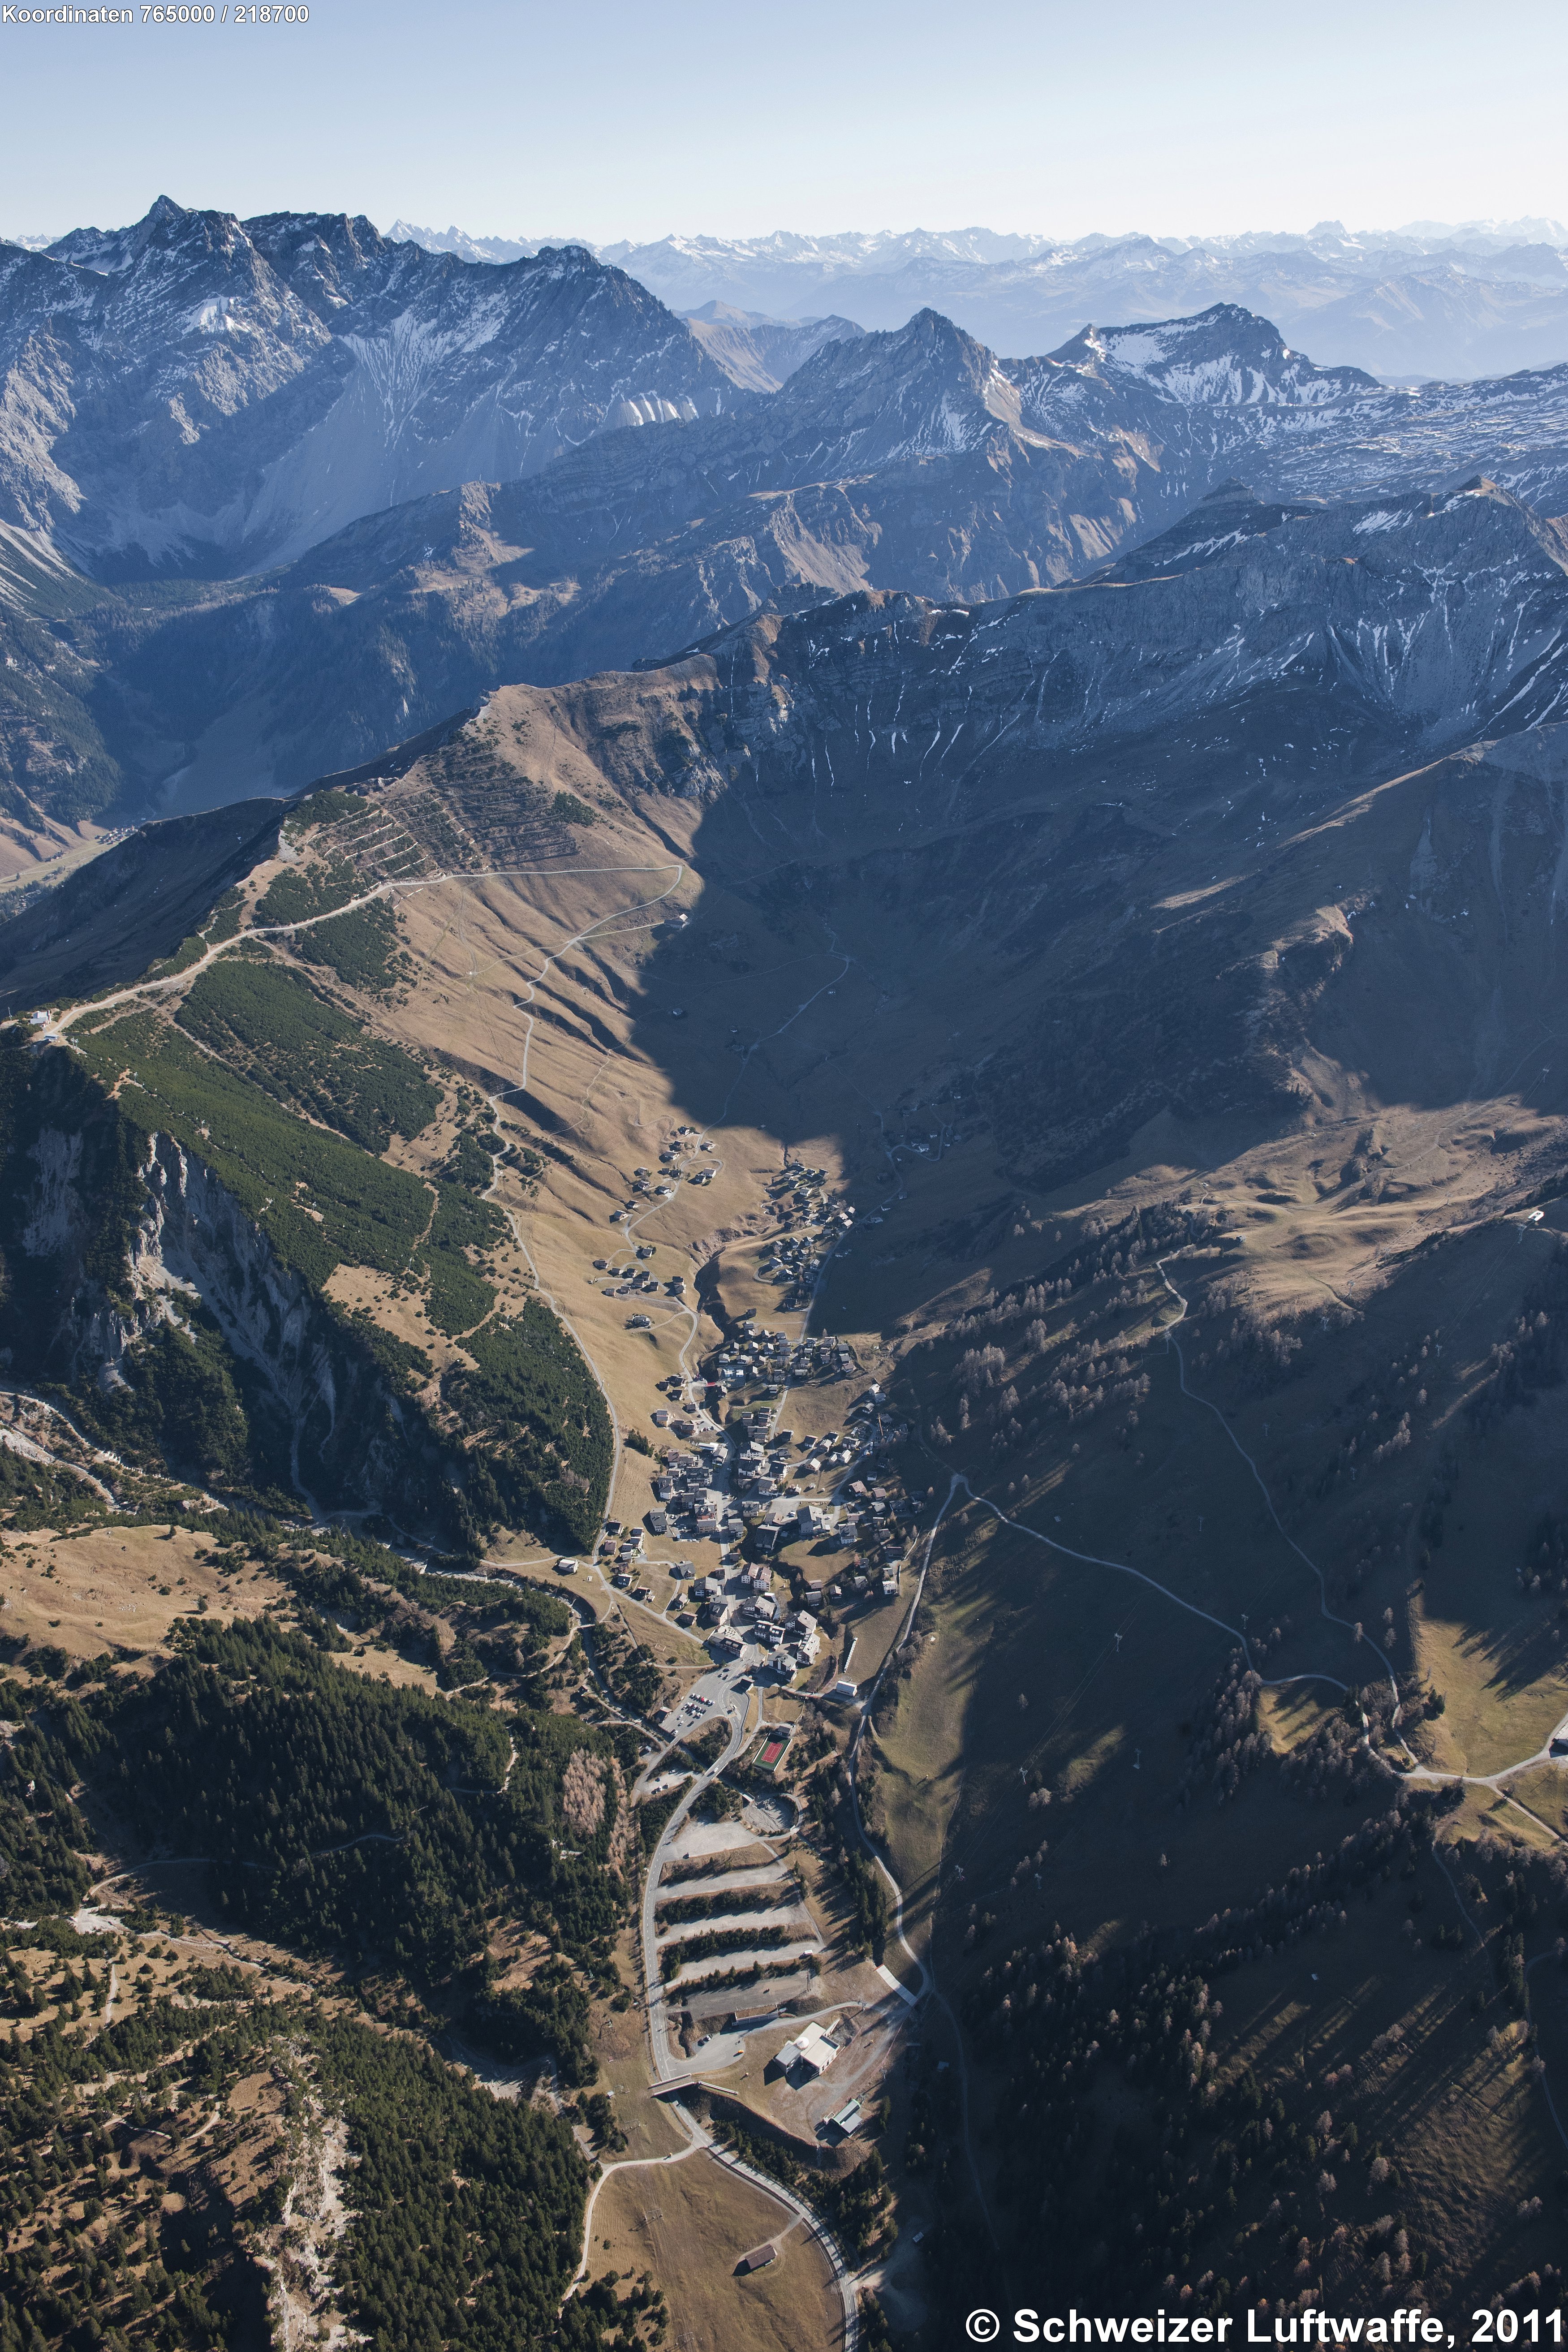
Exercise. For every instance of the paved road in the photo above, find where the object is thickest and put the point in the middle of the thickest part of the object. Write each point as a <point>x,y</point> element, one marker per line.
<point>657,2028</point>
<point>54,1030</point>
<point>50,1030</point>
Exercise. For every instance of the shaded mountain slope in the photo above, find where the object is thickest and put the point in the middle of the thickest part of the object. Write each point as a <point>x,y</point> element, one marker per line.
<point>133,904</point>
<point>140,899</point>
<point>760,353</point>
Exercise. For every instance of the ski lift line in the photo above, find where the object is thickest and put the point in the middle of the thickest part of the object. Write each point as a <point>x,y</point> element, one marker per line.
<point>640,906</point>
<point>1120,1567</point>
<point>757,1047</point>
<point>1174,1344</point>
<point>504,1093</point>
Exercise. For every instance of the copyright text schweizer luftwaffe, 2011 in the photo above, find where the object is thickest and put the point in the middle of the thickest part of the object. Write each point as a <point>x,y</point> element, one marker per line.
<point>1309,2326</point>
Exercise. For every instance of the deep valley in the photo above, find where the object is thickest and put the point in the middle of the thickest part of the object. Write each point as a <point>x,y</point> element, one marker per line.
<point>784,1309</point>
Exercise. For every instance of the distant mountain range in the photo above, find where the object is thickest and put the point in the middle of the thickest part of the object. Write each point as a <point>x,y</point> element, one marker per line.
<point>1429,299</point>
<point>275,494</point>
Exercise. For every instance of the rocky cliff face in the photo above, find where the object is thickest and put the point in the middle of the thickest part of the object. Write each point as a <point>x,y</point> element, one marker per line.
<point>355,1443</point>
<point>115,1235</point>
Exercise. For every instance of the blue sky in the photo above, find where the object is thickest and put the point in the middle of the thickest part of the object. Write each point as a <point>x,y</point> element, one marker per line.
<point>614,120</point>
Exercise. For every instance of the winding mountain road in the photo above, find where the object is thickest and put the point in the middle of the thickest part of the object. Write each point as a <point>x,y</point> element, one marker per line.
<point>703,2142</point>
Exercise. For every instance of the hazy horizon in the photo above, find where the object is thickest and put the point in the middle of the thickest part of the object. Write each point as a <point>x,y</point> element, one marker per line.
<point>635,128</point>
<point>1430,230</point>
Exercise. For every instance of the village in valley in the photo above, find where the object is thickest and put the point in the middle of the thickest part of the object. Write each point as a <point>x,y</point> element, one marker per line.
<point>762,1587</point>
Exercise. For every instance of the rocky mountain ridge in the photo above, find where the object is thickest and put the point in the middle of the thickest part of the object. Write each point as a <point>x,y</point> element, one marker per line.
<point>916,460</point>
<point>201,395</point>
<point>1437,609</point>
<point>273,380</point>
<point>1109,811</point>
<point>761,353</point>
